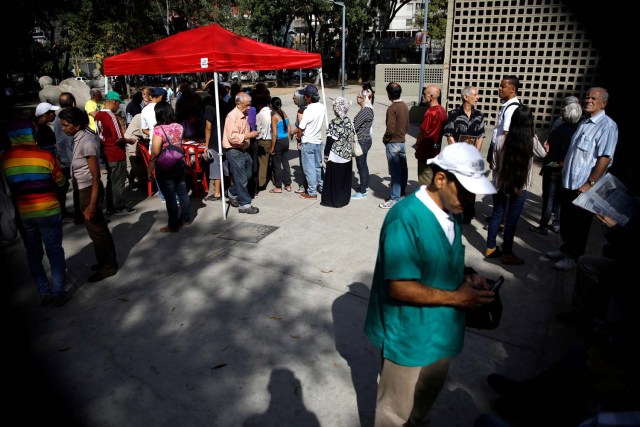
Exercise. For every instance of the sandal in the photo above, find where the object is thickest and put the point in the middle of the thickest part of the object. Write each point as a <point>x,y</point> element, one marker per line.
<point>275,190</point>
<point>168,229</point>
<point>288,188</point>
<point>301,190</point>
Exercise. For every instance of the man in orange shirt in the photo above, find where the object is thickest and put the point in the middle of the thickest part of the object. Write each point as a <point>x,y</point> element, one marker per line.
<point>236,140</point>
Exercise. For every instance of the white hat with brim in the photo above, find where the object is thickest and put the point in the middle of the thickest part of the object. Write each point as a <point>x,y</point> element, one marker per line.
<point>466,163</point>
<point>45,107</point>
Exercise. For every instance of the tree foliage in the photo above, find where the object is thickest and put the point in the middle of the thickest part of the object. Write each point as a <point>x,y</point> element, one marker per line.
<point>101,28</point>
<point>436,20</point>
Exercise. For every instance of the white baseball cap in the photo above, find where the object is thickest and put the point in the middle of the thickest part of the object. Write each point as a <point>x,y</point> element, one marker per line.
<point>44,107</point>
<point>466,163</point>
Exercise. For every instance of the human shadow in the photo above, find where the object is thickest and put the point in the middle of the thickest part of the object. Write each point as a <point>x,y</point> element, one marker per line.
<point>349,312</point>
<point>126,236</point>
<point>286,407</point>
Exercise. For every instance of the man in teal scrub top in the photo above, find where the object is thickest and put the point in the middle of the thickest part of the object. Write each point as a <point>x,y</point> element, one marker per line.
<point>420,290</point>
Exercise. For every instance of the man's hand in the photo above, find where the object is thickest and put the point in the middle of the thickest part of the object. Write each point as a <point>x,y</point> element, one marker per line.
<point>472,297</point>
<point>607,221</point>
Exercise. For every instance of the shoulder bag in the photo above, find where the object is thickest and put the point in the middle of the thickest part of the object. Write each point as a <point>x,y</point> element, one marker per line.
<point>487,316</point>
<point>170,156</point>
<point>357,149</point>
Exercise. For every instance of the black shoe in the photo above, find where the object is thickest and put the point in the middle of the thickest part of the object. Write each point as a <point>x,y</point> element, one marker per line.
<point>61,299</point>
<point>125,211</point>
<point>249,210</point>
<point>540,230</point>
<point>212,198</point>
<point>98,276</point>
<point>46,300</point>
<point>234,202</point>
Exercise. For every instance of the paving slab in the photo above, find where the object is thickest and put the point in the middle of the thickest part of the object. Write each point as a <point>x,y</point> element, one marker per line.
<point>198,330</point>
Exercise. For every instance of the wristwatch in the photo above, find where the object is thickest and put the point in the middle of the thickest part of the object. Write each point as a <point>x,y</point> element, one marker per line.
<point>592,183</point>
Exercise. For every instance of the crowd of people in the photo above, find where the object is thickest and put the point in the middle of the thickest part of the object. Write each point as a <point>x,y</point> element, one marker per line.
<point>421,287</point>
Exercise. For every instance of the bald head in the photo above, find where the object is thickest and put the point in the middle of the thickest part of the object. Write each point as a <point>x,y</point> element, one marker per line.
<point>430,94</point>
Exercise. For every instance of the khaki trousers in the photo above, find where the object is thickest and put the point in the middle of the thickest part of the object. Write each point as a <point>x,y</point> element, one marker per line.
<point>264,163</point>
<point>406,394</point>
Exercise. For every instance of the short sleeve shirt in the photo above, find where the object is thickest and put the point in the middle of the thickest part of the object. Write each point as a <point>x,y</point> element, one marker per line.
<point>413,246</point>
<point>311,123</point>
<point>85,144</point>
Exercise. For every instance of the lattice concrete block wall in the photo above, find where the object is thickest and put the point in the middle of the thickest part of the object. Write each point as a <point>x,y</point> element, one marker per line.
<point>539,41</point>
<point>408,75</point>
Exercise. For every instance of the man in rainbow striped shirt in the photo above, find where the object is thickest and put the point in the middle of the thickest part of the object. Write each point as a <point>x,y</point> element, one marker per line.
<point>34,178</point>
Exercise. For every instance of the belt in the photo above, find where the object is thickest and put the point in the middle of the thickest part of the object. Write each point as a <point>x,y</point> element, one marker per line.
<point>244,150</point>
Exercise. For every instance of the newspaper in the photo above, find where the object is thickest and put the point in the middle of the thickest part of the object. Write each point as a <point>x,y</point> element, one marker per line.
<point>609,197</point>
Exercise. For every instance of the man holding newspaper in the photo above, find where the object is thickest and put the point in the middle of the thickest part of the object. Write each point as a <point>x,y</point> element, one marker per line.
<point>589,157</point>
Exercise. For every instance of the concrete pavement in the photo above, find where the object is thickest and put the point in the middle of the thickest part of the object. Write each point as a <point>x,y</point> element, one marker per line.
<point>197,330</point>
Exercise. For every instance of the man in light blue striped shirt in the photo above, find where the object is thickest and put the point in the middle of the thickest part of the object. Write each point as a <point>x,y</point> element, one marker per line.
<point>589,157</point>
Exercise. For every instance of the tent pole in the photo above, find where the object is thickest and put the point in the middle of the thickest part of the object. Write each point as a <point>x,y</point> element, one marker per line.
<point>223,196</point>
<point>324,99</point>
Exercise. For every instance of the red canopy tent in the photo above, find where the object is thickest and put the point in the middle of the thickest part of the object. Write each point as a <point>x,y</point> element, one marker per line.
<point>209,49</point>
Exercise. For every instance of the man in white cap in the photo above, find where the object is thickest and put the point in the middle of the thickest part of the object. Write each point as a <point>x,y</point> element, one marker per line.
<point>421,287</point>
<point>46,113</point>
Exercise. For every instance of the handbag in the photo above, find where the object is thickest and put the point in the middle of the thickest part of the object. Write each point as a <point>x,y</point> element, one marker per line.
<point>357,149</point>
<point>488,315</point>
<point>170,156</point>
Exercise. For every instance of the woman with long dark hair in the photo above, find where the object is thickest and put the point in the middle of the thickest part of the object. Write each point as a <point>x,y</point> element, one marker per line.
<point>168,131</point>
<point>513,156</point>
<point>280,133</point>
<point>85,176</point>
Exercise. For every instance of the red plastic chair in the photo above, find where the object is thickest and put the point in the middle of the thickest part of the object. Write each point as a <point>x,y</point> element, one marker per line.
<point>144,152</point>
<point>195,168</point>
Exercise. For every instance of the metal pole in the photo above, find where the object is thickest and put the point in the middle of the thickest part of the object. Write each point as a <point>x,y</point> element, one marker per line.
<point>344,13</point>
<point>424,50</point>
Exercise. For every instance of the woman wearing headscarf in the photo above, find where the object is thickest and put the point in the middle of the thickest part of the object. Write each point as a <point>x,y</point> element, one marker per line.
<point>363,122</point>
<point>338,152</point>
<point>85,173</point>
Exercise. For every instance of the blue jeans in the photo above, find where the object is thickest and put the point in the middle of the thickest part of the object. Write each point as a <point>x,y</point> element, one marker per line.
<point>172,184</point>
<point>397,160</point>
<point>241,166</point>
<point>312,167</point>
<point>515,205</point>
<point>363,168</point>
<point>35,232</point>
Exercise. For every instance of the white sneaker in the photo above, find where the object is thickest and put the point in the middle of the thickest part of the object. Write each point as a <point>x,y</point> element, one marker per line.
<point>555,254</point>
<point>388,204</point>
<point>359,195</point>
<point>565,264</point>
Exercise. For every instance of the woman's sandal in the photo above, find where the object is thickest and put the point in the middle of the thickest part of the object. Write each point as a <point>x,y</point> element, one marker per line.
<point>275,190</point>
<point>288,188</point>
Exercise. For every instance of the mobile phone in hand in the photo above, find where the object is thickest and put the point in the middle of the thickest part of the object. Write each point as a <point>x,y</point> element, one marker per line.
<point>497,284</point>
